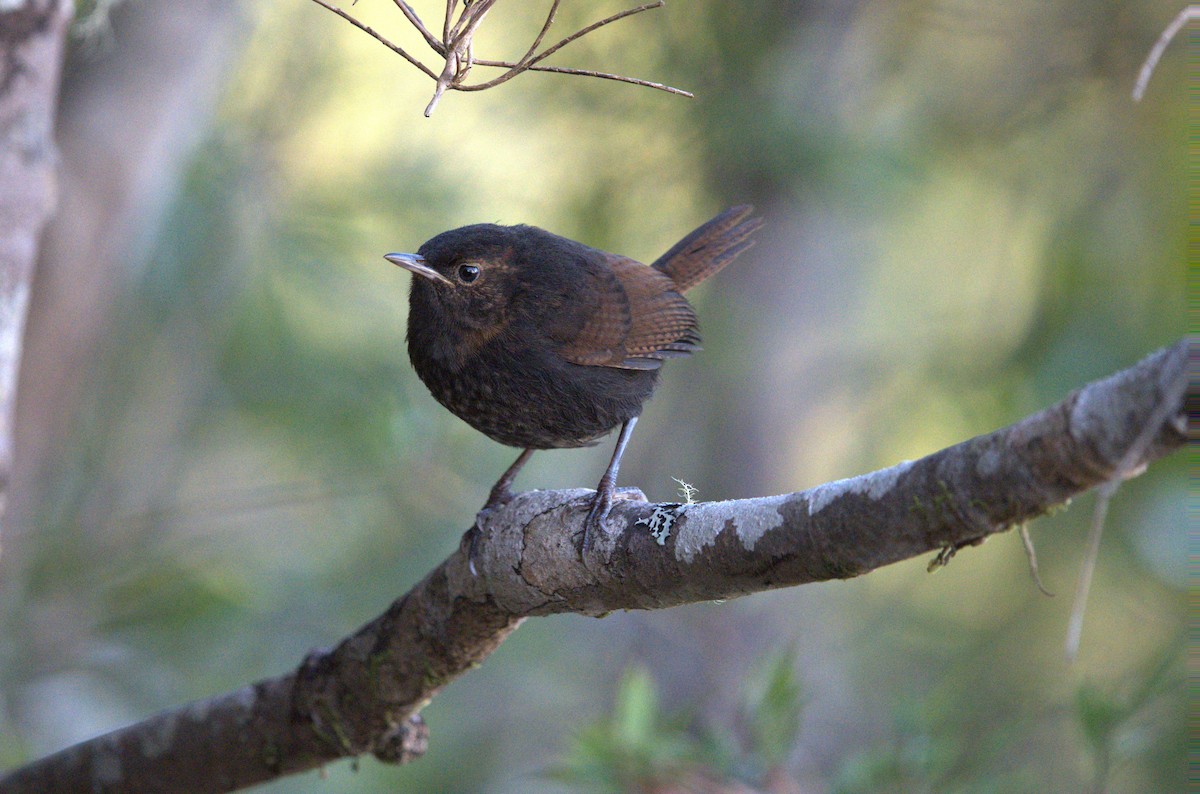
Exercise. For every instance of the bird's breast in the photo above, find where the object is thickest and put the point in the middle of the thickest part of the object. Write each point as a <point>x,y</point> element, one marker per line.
<point>528,396</point>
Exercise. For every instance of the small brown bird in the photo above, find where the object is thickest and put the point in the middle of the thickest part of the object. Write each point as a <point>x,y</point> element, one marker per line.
<point>541,342</point>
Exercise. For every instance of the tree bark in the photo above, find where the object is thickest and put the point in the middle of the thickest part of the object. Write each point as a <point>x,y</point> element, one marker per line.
<point>32,34</point>
<point>364,695</point>
<point>129,120</point>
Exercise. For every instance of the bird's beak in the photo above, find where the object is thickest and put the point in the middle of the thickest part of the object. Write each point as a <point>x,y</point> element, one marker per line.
<point>416,264</point>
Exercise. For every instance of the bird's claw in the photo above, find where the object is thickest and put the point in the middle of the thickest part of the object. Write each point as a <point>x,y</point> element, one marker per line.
<point>594,522</point>
<point>601,506</point>
<point>470,540</point>
<point>496,500</point>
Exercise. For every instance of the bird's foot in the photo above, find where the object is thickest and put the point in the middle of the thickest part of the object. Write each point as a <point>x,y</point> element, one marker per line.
<point>601,505</point>
<point>470,539</point>
<point>499,497</point>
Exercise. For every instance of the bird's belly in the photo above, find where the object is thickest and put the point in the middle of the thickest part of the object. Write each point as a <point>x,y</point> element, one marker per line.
<point>525,400</point>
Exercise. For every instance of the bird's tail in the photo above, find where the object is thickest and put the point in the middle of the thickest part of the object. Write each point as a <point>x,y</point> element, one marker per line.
<point>709,248</point>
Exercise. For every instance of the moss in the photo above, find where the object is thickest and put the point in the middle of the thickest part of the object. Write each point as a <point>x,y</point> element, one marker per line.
<point>431,680</point>
<point>329,728</point>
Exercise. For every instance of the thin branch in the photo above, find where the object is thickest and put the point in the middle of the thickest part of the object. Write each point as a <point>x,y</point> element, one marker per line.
<point>450,4</point>
<point>1031,555</point>
<point>363,695</point>
<point>546,53</point>
<point>468,21</point>
<point>537,42</point>
<point>457,43</point>
<point>582,72</point>
<point>528,61</point>
<point>1131,464</point>
<point>1160,46</point>
<point>371,32</point>
<point>1084,585</point>
<point>416,22</point>
<point>524,65</point>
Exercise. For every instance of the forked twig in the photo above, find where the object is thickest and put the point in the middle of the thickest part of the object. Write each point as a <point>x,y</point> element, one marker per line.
<point>596,25</point>
<point>371,32</point>
<point>415,20</point>
<point>457,41</point>
<point>528,63</point>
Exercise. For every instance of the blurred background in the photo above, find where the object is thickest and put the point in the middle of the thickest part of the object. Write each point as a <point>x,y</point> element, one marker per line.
<point>225,459</point>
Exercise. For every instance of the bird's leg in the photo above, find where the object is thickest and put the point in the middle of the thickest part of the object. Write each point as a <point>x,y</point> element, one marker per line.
<point>501,495</point>
<point>502,491</point>
<point>602,503</point>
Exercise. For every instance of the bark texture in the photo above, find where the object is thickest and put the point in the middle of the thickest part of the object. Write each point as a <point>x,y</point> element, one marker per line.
<point>32,35</point>
<point>363,696</point>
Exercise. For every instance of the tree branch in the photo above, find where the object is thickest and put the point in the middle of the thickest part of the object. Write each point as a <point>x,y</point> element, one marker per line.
<point>364,695</point>
<point>32,35</point>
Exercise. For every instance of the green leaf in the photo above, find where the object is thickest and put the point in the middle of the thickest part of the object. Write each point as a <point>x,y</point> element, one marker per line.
<point>636,708</point>
<point>773,705</point>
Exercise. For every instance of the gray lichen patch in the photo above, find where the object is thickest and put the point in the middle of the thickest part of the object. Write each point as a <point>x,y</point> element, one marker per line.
<point>660,521</point>
<point>751,519</point>
<point>989,462</point>
<point>874,485</point>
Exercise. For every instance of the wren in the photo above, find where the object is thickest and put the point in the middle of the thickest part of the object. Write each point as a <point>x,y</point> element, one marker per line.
<point>541,342</point>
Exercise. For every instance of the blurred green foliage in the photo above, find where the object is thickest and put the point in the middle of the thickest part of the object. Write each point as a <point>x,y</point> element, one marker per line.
<point>639,748</point>
<point>636,749</point>
<point>968,217</point>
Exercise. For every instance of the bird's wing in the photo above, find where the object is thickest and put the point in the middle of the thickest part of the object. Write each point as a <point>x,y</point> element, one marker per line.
<point>709,248</point>
<point>634,318</point>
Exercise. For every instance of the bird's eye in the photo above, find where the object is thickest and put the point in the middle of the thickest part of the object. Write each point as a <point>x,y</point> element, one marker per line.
<point>468,273</point>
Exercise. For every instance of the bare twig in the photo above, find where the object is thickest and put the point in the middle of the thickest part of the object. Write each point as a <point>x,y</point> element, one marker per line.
<point>371,32</point>
<point>1130,464</point>
<point>596,26</point>
<point>537,42</point>
<point>456,47</point>
<point>416,22</point>
<point>1031,554</point>
<point>450,4</point>
<point>363,695</point>
<point>525,59</point>
<point>1160,46</point>
<point>586,73</point>
<point>1086,569</point>
<point>459,46</point>
<point>520,66</point>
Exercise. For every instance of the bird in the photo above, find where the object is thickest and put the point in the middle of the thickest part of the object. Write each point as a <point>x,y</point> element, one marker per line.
<point>541,342</point>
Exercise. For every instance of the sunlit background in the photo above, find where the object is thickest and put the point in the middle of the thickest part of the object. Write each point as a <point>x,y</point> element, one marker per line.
<point>226,459</point>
